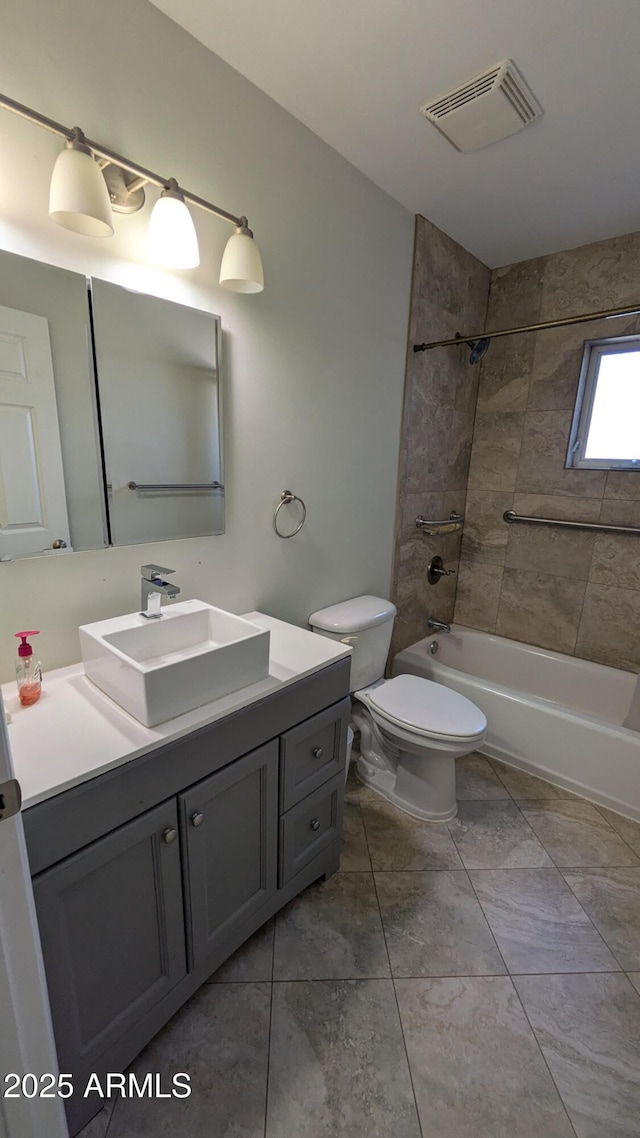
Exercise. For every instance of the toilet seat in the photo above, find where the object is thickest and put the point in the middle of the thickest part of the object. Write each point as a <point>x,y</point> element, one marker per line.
<point>425,709</point>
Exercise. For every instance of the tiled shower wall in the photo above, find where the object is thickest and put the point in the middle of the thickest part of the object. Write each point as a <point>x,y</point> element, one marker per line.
<point>449,294</point>
<point>572,591</point>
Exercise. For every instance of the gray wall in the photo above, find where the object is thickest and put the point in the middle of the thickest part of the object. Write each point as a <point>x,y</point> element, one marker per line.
<point>574,592</point>
<point>314,365</point>
<point>449,294</point>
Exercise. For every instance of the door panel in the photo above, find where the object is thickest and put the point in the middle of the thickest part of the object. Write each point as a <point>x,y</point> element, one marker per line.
<point>230,855</point>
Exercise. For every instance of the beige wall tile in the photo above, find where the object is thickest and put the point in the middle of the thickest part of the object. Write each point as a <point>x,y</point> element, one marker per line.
<point>616,561</point>
<point>478,594</point>
<point>623,484</point>
<point>495,451</point>
<point>558,506</point>
<point>449,284</point>
<point>556,368</point>
<point>516,294</point>
<point>540,609</point>
<point>609,627</point>
<point>427,451</point>
<point>592,277</point>
<point>485,533</point>
<point>541,468</point>
<point>544,549</point>
<point>613,512</point>
<point>462,429</point>
<point>505,375</point>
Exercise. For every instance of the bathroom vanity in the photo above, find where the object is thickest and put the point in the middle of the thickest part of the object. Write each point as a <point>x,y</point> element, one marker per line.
<point>156,852</point>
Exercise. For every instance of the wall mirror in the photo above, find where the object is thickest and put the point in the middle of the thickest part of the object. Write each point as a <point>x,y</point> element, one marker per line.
<point>110,415</point>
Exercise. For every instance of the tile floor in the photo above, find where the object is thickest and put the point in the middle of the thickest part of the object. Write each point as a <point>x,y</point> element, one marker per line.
<point>475,980</point>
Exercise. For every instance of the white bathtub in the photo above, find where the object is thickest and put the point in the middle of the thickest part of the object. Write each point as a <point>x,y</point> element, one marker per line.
<point>552,715</point>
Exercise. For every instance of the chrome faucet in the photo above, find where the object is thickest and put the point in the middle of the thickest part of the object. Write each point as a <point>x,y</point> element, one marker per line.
<point>438,625</point>
<point>154,585</point>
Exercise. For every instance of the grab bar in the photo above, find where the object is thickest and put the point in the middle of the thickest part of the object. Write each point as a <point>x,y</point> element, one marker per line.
<point>448,525</point>
<point>151,486</point>
<point>510,517</point>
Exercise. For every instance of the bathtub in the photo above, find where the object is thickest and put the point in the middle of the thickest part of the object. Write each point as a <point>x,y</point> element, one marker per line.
<point>551,715</point>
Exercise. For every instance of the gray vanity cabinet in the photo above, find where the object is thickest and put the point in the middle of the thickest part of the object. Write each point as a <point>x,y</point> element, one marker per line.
<point>230,851</point>
<point>112,932</point>
<point>149,876</point>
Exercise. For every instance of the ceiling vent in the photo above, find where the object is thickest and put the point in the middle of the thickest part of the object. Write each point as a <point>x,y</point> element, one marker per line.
<point>490,107</point>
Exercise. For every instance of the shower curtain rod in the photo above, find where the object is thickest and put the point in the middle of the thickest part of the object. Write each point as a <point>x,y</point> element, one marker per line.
<point>605,314</point>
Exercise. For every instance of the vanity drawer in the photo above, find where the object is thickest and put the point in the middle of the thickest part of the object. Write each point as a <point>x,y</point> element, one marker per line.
<point>310,828</point>
<point>312,753</point>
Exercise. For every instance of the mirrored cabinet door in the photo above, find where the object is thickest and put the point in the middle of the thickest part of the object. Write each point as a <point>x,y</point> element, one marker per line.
<point>157,367</point>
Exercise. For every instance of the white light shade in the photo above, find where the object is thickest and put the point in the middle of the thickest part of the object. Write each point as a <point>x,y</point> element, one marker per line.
<point>241,268</point>
<point>78,197</point>
<point>171,238</point>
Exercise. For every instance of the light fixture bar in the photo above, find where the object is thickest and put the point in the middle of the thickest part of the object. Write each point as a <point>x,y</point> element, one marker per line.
<point>101,151</point>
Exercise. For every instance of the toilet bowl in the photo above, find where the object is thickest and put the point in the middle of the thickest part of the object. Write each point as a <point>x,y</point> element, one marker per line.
<point>412,730</point>
<point>411,733</point>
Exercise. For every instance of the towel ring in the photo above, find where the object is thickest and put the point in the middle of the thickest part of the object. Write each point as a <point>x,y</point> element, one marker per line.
<point>286,498</point>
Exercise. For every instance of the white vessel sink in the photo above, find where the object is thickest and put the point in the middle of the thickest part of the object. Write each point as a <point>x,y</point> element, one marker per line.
<point>157,669</point>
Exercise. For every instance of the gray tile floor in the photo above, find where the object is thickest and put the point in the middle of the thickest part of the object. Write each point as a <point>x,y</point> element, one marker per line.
<point>475,980</point>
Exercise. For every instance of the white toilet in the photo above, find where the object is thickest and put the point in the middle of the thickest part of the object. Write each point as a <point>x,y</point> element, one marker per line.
<point>412,730</point>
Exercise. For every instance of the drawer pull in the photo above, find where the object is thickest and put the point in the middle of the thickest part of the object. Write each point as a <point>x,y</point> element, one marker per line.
<point>317,752</point>
<point>197,819</point>
<point>315,823</point>
<point>169,835</point>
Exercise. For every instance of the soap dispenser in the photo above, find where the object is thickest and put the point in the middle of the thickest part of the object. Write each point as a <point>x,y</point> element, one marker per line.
<point>28,671</point>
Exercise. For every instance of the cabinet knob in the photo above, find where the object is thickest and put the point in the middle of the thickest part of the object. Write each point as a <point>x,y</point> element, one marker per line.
<point>169,835</point>
<point>317,752</point>
<point>315,823</point>
<point>197,819</point>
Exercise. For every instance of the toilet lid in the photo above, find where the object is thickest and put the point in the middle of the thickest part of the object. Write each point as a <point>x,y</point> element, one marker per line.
<point>425,706</point>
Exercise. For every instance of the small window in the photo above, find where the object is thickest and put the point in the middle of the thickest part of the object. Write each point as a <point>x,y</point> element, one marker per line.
<point>605,433</point>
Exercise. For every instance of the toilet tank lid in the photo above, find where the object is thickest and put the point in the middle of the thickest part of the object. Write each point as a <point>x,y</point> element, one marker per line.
<point>354,615</point>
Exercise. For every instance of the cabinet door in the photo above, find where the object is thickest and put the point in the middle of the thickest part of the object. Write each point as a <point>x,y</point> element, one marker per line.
<point>112,931</point>
<point>229,828</point>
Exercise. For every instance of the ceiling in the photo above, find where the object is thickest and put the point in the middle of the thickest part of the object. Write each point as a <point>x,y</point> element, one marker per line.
<point>357,73</point>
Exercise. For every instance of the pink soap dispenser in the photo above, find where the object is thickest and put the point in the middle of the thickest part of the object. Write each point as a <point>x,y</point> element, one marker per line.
<point>28,671</point>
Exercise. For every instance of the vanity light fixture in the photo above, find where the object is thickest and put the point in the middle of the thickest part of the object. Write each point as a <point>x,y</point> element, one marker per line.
<point>241,268</point>
<point>78,197</point>
<point>171,238</point>
<point>90,181</point>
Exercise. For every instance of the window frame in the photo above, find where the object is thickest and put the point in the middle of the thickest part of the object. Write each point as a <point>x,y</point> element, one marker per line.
<point>593,352</point>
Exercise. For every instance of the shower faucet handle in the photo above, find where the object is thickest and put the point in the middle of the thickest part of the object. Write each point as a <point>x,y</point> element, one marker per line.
<point>436,570</point>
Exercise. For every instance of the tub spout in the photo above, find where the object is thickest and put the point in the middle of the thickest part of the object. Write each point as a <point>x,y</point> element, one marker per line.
<point>438,625</point>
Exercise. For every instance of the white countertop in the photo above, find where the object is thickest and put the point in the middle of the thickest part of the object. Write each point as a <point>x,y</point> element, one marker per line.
<point>75,732</point>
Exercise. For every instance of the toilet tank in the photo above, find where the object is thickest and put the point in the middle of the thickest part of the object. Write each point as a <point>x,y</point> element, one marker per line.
<point>366,623</point>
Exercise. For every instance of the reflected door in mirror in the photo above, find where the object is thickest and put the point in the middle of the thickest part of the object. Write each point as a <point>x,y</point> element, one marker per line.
<point>33,510</point>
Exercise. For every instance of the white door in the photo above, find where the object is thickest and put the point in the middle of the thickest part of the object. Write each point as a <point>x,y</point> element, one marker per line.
<point>33,509</point>
<point>26,1036</point>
